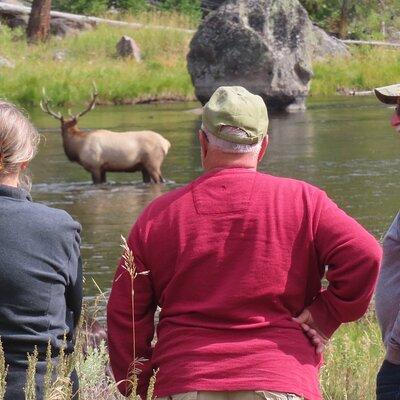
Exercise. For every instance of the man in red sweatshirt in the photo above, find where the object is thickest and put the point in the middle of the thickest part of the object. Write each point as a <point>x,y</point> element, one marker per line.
<point>232,259</point>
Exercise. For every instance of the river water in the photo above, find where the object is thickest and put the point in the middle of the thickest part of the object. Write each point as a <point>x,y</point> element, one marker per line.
<point>343,145</point>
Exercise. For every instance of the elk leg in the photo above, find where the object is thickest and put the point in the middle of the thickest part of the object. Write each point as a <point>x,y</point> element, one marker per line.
<point>156,176</point>
<point>97,177</point>
<point>146,176</point>
<point>154,170</point>
<point>103,177</point>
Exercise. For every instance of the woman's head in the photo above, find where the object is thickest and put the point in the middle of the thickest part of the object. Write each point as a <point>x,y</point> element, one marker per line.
<point>18,143</point>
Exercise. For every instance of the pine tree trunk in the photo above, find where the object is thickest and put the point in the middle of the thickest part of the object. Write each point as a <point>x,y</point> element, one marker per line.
<point>344,19</point>
<point>39,21</point>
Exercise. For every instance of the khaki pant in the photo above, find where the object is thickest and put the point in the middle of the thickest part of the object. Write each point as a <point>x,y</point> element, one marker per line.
<point>243,395</point>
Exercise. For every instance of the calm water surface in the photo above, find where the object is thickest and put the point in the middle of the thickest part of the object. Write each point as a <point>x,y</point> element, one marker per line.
<point>344,145</point>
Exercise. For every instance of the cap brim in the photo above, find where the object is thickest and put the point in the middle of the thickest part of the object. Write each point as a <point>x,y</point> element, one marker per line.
<point>388,94</point>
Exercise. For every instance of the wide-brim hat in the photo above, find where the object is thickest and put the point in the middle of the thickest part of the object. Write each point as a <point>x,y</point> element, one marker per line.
<point>388,94</point>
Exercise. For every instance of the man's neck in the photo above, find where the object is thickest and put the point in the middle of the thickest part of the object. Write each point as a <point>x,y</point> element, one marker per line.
<point>230,160</point>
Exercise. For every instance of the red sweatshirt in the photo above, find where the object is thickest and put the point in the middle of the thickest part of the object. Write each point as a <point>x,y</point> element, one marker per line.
<point>233,256</point>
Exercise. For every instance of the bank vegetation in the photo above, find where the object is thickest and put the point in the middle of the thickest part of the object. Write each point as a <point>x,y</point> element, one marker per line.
<point>67,67</point>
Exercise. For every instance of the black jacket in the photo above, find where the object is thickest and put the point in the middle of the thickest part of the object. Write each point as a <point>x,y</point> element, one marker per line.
<point>40,275</point>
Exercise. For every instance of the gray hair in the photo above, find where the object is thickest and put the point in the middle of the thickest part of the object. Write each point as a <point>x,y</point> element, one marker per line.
<point>229,147</point>
<point>18,141</point>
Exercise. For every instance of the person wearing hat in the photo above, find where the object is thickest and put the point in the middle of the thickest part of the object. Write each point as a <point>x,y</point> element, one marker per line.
<point>235,260</point>
<point>388,288</point>
<point>391,95</point>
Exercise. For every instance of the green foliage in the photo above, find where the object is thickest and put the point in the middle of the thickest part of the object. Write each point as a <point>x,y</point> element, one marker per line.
<point>363,19</point>
<point>88,7</point>
<point>352,361</point>
<point>189,7</point>
<point>96,7</point>
<point>133,6</point>
<point>91,368</point>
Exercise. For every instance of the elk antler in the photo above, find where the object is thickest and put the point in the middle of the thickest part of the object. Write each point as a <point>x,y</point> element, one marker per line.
<point>44,105</point>
<point>92,104</point>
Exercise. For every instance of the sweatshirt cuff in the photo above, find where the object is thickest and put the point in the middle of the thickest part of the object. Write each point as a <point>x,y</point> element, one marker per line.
<point>323,319</point>
<point>393,354</point>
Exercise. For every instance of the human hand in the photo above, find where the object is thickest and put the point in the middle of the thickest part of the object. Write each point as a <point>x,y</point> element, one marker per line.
<point>305,320</point>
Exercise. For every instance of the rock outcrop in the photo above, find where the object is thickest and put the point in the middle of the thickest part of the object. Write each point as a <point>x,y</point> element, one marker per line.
<point>127,47</point>
<point>6,63</point>
<point>65,27</point>
<point>266,46</point>
<point>325,46</point>
<point>261,45</point>
<point>18,17</point>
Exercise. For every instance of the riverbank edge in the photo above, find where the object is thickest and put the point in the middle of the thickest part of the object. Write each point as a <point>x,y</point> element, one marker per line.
<point>143,100</point>
<point>147,100</point>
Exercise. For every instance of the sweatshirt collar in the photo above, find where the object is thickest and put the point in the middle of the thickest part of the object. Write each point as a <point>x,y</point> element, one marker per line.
<point>14,192</point>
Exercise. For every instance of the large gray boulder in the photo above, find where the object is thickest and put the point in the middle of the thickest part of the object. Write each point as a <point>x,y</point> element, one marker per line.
<point>128,48</point>
<point>14,19</point>
<point>262,45</point>
<point>6,63</point>
<point>63,27</point>
<point>326,46</point>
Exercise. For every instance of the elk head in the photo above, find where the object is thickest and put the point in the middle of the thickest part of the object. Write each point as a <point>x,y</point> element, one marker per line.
<point>70,124</point>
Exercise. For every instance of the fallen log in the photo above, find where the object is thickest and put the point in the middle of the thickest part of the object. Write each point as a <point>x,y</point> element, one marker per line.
<point>353,92</point>
<point>22,10</point>
<point>371,43</point>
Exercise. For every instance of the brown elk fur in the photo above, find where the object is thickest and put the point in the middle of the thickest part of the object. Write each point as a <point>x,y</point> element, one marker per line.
<point>101,151</point>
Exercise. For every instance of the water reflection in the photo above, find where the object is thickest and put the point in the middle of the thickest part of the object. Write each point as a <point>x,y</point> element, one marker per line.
<point>344,145</point>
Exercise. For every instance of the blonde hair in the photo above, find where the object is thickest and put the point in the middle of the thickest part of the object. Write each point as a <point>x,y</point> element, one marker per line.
<point>18,142</point>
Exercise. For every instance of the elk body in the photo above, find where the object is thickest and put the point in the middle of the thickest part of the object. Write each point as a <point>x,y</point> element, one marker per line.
<point>101,151</point>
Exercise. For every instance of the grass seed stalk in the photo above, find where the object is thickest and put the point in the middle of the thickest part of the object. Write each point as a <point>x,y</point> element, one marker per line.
<point>129,266</point>
<point>3,372</point>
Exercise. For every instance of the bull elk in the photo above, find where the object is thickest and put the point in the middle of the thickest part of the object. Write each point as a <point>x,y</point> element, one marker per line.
<point>101,151</point>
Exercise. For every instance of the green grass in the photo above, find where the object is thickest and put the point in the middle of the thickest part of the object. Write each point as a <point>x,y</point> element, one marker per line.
<point>352,360</point>
<point>365,69</point>
<point>91,56</point>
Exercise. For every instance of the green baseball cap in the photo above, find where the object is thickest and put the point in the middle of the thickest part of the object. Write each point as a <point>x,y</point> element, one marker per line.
<point>388,94</point>
<point>236,106</point>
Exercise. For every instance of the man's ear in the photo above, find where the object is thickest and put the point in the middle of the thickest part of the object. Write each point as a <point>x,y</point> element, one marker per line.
<point>203,143</point>
<point>24,165</point>
<point>264,146</point>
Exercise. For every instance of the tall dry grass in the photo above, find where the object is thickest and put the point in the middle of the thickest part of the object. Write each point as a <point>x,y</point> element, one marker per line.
<point>352,360</point>
<point>3,372</point>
